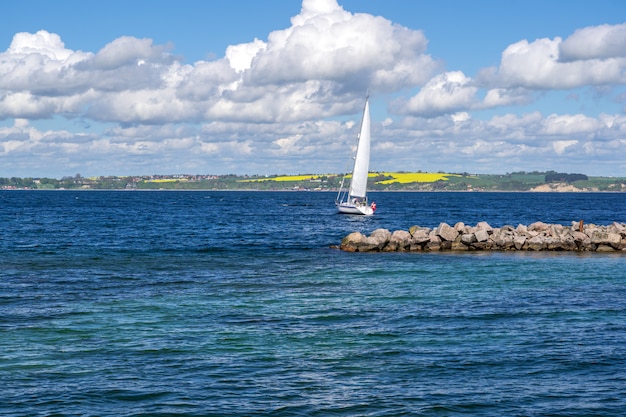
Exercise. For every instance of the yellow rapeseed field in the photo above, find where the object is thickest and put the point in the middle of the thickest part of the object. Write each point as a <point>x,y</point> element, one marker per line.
<point>399,177</point>
<point>408,177</point>
<point>284,178</point>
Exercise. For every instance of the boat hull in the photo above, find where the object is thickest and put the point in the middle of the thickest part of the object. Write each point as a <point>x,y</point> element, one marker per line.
<point>352,209</point>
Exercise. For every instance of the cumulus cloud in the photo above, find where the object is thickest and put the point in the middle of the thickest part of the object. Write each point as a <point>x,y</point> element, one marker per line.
<point>498,97</point>
<point>567,125</point>
<point>445,93</point>
<point>128,51</point>
<point>595,42</point>
<point>240,56</point>
<point>360,51</point>
<point>39,64</point>
<point>560,146</point>
<point>591,56</point>
<point>41,43</point>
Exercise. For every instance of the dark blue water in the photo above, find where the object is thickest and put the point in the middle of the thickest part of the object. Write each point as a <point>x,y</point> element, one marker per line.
<point>233,304</point>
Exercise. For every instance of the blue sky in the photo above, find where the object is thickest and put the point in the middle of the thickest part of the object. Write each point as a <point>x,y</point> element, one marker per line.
<point>249,87</point>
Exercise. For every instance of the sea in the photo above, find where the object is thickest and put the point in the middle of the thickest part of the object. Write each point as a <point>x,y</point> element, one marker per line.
<point>228,303</point>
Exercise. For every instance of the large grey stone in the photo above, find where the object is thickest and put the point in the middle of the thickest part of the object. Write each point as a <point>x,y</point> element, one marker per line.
<point>446,232</point>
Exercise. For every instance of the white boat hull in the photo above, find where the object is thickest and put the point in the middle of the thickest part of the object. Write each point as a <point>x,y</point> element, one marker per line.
<point>347,208</point>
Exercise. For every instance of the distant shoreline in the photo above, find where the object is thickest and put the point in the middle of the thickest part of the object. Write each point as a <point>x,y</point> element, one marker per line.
<point>378,182</point>
<point>313,191</point>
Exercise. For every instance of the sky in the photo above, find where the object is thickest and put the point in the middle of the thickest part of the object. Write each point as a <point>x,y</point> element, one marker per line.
<point>251,87</point>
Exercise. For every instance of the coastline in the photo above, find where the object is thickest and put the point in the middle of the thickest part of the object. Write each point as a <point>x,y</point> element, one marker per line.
<point>531,191</point>
<point>381,182</point>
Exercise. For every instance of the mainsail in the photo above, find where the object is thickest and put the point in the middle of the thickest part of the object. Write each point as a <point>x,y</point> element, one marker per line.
<point>358,185</point>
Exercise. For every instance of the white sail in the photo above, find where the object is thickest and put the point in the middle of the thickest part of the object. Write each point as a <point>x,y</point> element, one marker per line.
<point>358,185</point>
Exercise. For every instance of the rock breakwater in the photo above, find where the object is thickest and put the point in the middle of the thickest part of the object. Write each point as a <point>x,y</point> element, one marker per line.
<point>538,236</point>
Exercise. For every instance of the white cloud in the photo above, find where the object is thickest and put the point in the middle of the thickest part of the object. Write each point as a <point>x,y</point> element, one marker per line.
<point>142,106</point>
<point>39,64</point>
<point>595,42</point>
<point>326,43</point>
<point>527,69</point>
<point>460,117</point>
<point>568,125</point>
<point>128,51</point>
<point>505,97</point>
<point>41,43</point>
<point>240,56</point>
<point>560,146</point>
<point>288,145</point>
<point>447,92</point>
<point>591,56</point>
<point>512,122</point>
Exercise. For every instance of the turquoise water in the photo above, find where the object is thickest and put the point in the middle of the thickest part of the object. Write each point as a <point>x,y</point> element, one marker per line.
<point>233,304</point>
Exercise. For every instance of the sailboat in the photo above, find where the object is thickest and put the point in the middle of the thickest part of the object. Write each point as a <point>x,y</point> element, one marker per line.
<point>354,199</point>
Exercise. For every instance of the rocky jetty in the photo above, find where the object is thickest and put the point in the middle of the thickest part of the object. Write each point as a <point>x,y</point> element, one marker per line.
<point>538,236</point>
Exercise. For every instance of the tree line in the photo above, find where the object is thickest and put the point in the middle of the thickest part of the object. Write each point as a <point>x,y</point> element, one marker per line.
<point>553,176</point>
